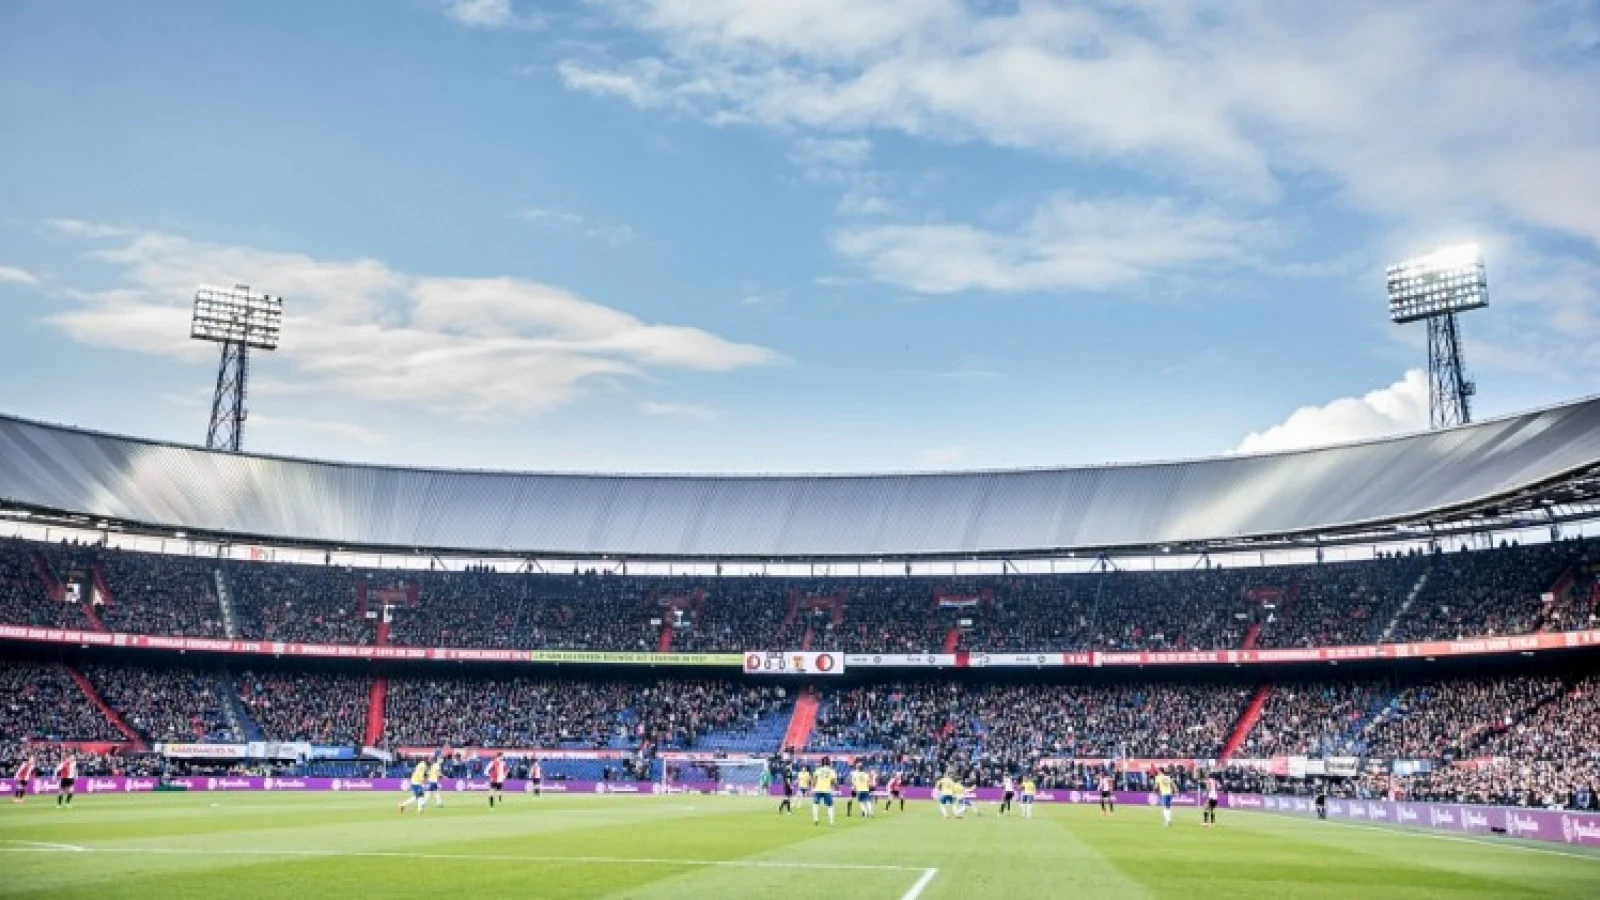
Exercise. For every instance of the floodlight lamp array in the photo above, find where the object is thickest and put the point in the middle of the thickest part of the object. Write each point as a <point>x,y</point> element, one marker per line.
<point>1446,281</point>
<point>237,315</point>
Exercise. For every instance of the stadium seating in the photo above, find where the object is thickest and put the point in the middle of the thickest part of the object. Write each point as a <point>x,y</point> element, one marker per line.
<point>1457,594</point>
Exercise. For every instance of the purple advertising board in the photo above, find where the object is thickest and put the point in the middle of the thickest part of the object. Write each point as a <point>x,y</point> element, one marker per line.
<point>1580,829</point>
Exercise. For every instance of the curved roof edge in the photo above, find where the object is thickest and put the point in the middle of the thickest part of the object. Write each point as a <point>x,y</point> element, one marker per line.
<point>1492,467</point>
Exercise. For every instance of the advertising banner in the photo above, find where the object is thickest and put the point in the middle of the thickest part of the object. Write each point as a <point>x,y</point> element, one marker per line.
<point>1528,643</point>
<point>204,751</point>
<point>793,662</point>
<point>1582,829</point>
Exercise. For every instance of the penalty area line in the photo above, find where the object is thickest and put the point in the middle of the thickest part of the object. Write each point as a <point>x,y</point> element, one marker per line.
<point>927,874</point>
<point>922,883</point>
<point>44,847</point>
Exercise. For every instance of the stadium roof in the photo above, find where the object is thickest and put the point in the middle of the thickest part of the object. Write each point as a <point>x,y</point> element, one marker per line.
<point>1524,469</point>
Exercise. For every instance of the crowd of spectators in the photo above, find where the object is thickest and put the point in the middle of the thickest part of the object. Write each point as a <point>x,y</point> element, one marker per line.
<point>529,712</point>
<point>1452,719</point>
<point>1482,592</point>
<point>299,604</point>
<point>1487,592</point>
<point>551,612</point>
<point>180,705</point>
<point>1203,609</point>
<point>1315,719</point>
<point>23,599</point>
<point>319,707</point>
<point>154,594</point>
<point>742,614</point>
<point>984,731</point>
<point>1340,604</point>
<point>39,701</point>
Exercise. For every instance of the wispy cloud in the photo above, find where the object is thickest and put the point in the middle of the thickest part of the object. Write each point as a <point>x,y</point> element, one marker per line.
<point>1407,110</point>
<point>489,14</point>
<point>1400,407</point>
<point>359,328</point>
<point>1066,243</point>
<point>679,410</point>
<point>15,275</point>
<point>573,223</point>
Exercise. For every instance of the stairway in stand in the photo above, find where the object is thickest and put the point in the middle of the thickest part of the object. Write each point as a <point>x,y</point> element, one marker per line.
<point>952,640</point>
<point>230,622</point>
<point>1246,724</point>
<point>665,644</point>
<point>378,695</point>
<point>803,720</point>
<point>93,696</point>
<point>244,727</point>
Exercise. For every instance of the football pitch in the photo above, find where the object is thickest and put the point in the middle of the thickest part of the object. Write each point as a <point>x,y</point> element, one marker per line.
<point>236,846</point>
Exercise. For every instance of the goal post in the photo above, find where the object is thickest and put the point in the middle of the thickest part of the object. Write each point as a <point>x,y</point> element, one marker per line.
<point>696,773</point>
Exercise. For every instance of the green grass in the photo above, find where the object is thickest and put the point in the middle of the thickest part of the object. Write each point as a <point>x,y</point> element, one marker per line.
<point>238,846</point>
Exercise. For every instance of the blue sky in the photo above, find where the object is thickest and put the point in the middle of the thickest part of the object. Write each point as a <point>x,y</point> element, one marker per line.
<point>791,235</point>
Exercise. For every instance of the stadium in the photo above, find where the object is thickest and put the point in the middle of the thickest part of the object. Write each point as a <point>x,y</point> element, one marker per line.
<point>1403,632</point>
<point>800,449</point>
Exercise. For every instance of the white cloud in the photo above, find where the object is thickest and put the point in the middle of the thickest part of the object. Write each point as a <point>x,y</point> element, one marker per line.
<point>572,223</point>
<point>809,151</point>
<point>1407,108</point>
<point>1066,243</point>
<point>1401,407</point>
<point>637,87</point>
<point>488,14</point>
<point>468,346</point>
<point>80,228</point>
<point>15,275</point>
<point>679,411</point>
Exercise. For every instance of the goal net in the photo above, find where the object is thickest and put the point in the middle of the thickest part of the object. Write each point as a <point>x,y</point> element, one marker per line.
<point>710,774</point>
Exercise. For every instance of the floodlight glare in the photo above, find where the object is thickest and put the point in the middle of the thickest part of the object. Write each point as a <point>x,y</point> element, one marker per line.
<point>1445,281</point>
<point>1433,288</point>
<point>238,319</point>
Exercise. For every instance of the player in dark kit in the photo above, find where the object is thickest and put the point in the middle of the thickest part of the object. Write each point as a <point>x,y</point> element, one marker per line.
<point>1321,802</point>
<point>787,805</point>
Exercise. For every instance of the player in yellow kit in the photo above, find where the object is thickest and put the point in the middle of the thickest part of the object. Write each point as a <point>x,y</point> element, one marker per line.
<point>946,790</point>
<point>804,780</point>
<point>822,782</point>
<point>861,786</point>
<point>419,787</point>
<point>1030,793</point>
<point>1164,790</point>
<point>435,774</point>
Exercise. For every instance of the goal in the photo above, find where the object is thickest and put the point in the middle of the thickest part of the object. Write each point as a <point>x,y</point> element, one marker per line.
<point>689,773</point>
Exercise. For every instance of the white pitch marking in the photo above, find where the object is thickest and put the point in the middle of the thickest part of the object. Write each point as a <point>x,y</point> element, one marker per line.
<point>916,889</point>
<point>46,847</point>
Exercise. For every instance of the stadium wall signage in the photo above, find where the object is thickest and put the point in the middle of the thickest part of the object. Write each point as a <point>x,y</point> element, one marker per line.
<point>815,661</point>
<point>794,662</point>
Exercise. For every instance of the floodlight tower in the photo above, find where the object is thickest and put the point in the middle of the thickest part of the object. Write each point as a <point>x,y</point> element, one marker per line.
<point>1434,288</point>
<point>238,319</point>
